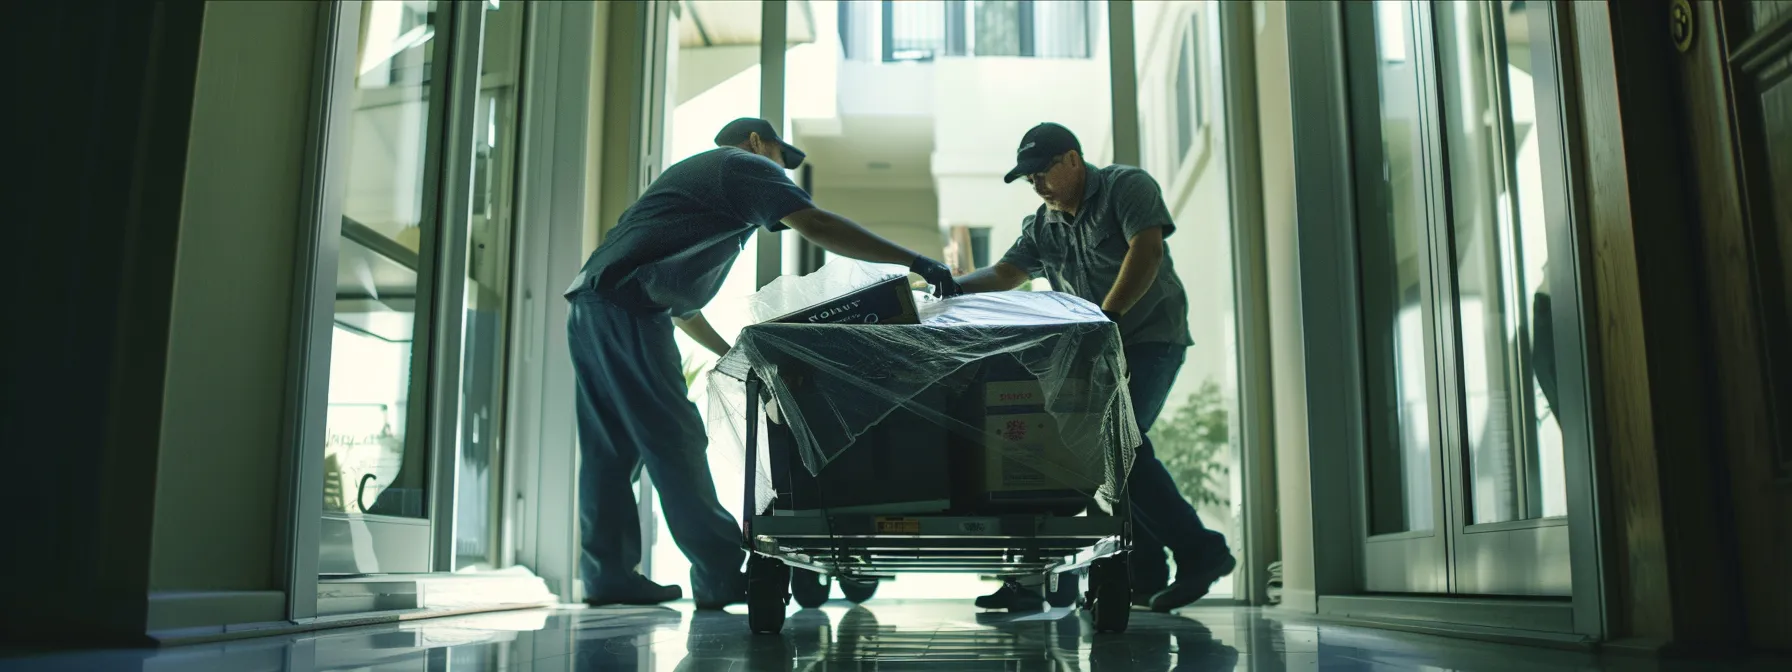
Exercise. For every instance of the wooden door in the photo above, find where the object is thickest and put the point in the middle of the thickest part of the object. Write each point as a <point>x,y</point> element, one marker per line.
<point>1736,72</point>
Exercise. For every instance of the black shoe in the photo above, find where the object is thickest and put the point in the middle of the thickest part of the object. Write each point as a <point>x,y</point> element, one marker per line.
<point>638,592</point>
<point>1191,586</point>
<point>1013,598</point>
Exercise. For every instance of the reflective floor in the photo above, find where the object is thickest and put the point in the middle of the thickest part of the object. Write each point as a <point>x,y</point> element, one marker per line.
<point>939,635</point>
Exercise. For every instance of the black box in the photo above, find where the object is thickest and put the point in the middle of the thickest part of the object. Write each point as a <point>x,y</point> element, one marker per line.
<point>898,466</point>
<point>887,302</point>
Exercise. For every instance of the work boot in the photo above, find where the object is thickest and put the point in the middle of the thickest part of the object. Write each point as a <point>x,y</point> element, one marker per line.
<point>1013,597</point>
<point>634,591</point>
<point>1192,584</point>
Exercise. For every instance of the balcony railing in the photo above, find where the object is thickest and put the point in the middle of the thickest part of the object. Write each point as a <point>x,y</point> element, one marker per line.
<point>921,30</point>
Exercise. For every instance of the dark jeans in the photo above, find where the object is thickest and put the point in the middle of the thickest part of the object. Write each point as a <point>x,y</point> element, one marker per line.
<point>633,409</point>
<point>1165,519</point>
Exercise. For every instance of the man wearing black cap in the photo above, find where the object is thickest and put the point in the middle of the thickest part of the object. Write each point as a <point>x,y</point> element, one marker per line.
<point>656,269</point>
<point>1100,235</point>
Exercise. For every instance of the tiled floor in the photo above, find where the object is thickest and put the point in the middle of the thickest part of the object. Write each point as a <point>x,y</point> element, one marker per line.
<point>880,636</point>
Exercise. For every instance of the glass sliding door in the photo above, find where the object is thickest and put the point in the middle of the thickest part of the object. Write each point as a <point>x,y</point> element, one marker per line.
<point>711,69</point>
<point>1510,529</point>
<point>1404,546</point>
<point>1183,146</point>
<point>376,454</point>
<point>411,465</point>
<point>1462,470</point>
<point>491,210</point>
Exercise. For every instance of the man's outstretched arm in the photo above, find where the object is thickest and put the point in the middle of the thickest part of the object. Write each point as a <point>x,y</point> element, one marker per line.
<point>1000,277</point>
<point>846,238</point>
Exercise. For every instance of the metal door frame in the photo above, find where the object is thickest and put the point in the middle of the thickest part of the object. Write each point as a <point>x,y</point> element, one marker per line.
<point>435,357</point>
<point>1505,558</point>
<point>1331,316</point>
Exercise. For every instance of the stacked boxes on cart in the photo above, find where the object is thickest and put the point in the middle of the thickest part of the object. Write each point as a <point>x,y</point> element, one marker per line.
<point>982,440</point>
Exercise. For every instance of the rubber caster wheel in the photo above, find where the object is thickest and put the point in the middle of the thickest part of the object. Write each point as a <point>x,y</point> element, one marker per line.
<point>768,594</point>
<point>809,588</point>
<point>858,591</point>
<point>1065,594</point>
<point>1110,594</point>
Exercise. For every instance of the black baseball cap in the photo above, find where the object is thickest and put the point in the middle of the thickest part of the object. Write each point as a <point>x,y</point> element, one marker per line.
<point>739,130</point>
<point>1037,148</point>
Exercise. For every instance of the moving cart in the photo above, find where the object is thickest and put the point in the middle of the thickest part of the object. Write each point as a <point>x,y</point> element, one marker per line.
<point>859,405</point>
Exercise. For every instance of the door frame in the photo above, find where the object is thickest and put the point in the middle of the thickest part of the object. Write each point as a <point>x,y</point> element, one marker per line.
<point>436,360</point>
<point>301,484</point>
<point>1332,320</point>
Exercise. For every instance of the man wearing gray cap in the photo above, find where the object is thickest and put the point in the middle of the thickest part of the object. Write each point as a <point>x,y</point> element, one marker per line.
<point>1100,235</point>
<point>656,269</point>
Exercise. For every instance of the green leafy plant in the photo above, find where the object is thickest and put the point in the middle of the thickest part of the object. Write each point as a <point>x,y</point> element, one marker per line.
<point>1190,442</point>
<point>692,369</point>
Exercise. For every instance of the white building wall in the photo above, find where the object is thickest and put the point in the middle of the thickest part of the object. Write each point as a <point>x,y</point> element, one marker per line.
<point>983,107</point>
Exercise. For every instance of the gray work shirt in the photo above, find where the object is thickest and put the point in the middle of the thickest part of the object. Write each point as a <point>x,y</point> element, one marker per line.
<point>672,249</point>
<point>1081,255</point>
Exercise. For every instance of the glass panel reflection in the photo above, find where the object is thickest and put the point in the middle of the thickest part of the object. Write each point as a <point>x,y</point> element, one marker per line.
<point>1513,441</point>
<point>477,509</point>
<point>1398,336</point>
<point>709,83</point>
<point>1197,432</point>
<point>372,463</point>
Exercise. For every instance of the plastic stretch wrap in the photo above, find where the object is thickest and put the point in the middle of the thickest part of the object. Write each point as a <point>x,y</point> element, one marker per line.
<point>787,294</point>
<point>829,385</point>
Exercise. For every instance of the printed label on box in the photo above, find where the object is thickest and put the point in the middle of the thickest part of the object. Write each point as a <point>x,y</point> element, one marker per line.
<point>1024,451</point>
<point>898,526</point>
<point>1000,393</point>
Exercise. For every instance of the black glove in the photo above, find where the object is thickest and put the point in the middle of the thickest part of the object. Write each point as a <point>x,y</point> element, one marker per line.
<point>938,275</point>
<point>1112,316</point>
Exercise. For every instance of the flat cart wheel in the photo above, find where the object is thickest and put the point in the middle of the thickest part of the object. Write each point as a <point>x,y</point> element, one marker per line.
<point>1067,590</point>
<point>768,594</point>
<point>858,591</point>
<point>810,588</point>
<point>1110,594</point>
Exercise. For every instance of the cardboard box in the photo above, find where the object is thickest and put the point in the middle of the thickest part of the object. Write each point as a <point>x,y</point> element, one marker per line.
<point>1023,453</point>
<point>887,302</point>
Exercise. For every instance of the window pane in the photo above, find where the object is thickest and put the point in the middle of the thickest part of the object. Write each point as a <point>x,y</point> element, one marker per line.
<point>477,502</point>
<point>710,82</point>
<point>1196,435</point>
<point>1061,28</point>
<point>913,30</point>
<point>374,463</point>
<point>998,27</point>
<point>1397,308</point>
<point>1514,444</point>
<point>1188,91</point>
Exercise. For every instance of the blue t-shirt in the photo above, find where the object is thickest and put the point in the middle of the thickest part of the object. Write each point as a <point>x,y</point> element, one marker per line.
<point>673,247</point>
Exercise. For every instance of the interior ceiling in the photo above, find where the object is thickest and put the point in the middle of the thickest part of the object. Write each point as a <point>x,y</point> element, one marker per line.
<point>717,23</point>
<point>903,144</point>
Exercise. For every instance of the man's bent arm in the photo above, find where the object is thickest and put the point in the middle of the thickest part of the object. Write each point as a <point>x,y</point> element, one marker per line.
<point>844,237</point>
<point>1137,271</point>
<point>699,330</point>
<point>1001,277</point>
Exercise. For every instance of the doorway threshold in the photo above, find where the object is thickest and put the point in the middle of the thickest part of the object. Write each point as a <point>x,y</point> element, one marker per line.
<point>1532,622</point>
<point>345,602</point>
